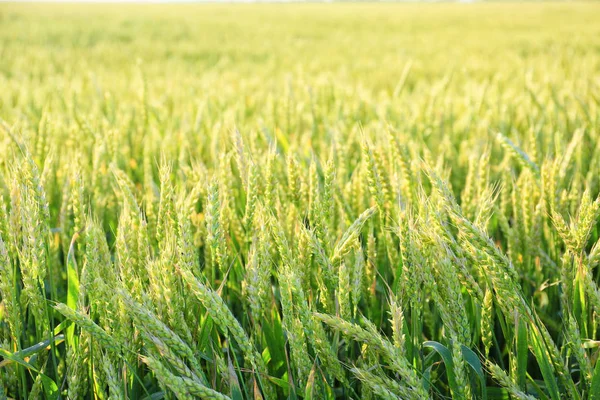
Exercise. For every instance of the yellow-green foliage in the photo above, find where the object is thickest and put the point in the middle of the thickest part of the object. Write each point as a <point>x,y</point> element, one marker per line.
<point>300,201</point>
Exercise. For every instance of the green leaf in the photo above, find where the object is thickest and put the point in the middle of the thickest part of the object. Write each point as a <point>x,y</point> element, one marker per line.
<point>537,389</point>
<point>580,308</point>
<point>59,328</point>
<point>155,396</point>
<point>309,391</point>
<point>273,330</point>
<point>72,288</point>
<point>473,361</point>
<point>595,386</point>
<point>522,353</point>
<point>427,378</point>
<point>205,331</point>
<point>15,358</point>
<point>447,358</point>
<point>50,387</point>
<point>545,367</point>
<point>496,393</point>
<point>234,383</point>
<point>39,347</point>
<point>279,382</point>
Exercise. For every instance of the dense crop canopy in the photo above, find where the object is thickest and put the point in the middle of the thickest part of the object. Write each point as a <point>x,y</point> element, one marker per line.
<point>354,201</point>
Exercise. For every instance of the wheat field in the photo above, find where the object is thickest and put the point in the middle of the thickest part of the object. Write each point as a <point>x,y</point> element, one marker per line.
<point>300,201</point>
